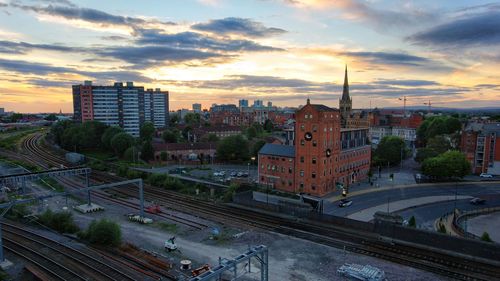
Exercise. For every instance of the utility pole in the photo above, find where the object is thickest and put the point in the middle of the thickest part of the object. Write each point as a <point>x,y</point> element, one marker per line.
<point>404,106</point>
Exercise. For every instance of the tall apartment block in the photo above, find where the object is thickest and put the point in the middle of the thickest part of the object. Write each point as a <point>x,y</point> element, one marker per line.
<point>123,105</point>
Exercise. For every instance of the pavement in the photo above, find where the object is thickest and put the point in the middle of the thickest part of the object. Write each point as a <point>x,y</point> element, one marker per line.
<point>485,223</point>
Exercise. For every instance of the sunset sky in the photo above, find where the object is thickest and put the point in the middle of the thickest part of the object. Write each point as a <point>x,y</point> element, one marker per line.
<point>219,51</point>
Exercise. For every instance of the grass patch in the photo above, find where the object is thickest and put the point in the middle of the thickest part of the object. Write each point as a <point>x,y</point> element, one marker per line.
<point>165,226</point>
<point>10,142</point>
<point>50,183</point>
<point>99,154</point>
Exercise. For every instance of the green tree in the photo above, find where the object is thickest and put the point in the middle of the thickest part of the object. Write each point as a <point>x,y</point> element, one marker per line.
<point>447,165</point>
<point>425,153</point>
<point>59,221</point>
<point>412,222</point>
<point>268,125</point>
<point>437,125</point>
<point>170,136</point>
<point>210,138</point>
<point>486,237</point>
<point>16,117</point>
<point>173,120</point>
<point>251,132</point>
<point>147,151</point>
<point>256,147</point>
<point>147,130</point>
<point>51,117</point>
<point>109,134</point>
<point>163,156</point>
<point>390,148</point>
<point>120,142</point>
<point>58,129</point>
<point>233,148</point>
<point>192,119</point>
<point>186,132</point>
<point>103,232</point>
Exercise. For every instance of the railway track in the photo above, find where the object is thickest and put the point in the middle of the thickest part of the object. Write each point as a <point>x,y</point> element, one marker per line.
<point>60,261</point>
<point>363,243</point>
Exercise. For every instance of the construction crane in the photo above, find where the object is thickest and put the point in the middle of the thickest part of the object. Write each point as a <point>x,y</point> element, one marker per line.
<point>430,104</point>
<point>404,105</point>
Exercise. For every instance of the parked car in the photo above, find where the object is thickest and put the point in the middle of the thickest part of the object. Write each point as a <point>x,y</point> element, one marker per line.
<point>345,203</point>
<point>233,174</point>
<point>239,174</point>
<point>477,201</point>
<point>484,175</point>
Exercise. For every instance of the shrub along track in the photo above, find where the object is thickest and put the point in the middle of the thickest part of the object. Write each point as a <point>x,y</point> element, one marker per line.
<point>358,242</point>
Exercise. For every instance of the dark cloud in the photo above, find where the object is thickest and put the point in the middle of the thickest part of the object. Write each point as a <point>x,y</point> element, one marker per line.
<point>23,47</point>
<point>409,83</point>
<point>147,55</point>
<point>3,5</point>
<point>239,26</point>
<point>193,40</point>
<point>88,14</point>
<point>43,69</point>
<point>114,38</point>
<point>470,30</point>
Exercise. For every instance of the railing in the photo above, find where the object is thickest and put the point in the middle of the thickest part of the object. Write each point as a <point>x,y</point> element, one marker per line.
<point>458,219</point>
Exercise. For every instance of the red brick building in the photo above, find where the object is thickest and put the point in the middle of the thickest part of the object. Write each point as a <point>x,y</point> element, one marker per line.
<point>324,154</point>
<point>480,142</point>
<point>277,166</point>
<point>185,153</point>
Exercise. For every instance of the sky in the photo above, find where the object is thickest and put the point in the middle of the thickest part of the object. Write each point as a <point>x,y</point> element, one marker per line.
<point>284,51</point>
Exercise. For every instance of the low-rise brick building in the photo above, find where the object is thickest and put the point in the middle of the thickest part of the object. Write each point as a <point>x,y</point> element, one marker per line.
<point>480,142</point>
<point>277,166</point>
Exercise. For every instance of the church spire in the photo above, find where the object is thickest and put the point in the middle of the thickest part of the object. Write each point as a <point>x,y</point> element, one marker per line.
<point>345,92</point>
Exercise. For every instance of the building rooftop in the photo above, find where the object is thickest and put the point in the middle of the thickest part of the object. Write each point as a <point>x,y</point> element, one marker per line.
<point>322,107</point>
<point>184,146</point>
<point>278,150</point>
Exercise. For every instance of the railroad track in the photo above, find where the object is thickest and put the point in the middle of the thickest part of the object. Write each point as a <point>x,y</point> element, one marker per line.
<point>60,261</point>
<point>363,243</point>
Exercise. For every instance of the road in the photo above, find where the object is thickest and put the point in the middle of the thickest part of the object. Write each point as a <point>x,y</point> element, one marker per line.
<point>427,214</point>
<point>372,199</point>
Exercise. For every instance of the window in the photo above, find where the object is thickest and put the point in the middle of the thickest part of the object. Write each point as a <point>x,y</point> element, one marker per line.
<point>315,143</point>
<point>302,127</point>
<point>314,160</point>
<point>290,170</point>
<point>313,187</point>
<point>301,159</point>
<point>301,173</point>
<point>315,128</point>
<point>313,175</point>
<point>302,142</point>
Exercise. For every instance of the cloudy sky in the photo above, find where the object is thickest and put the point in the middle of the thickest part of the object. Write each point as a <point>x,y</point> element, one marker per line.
<point>218,51</point>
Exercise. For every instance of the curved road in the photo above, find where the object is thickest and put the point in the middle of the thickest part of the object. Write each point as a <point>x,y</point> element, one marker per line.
<point>488,191</point>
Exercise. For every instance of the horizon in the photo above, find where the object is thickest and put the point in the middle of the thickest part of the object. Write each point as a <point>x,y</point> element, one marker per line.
<point>212,51</point>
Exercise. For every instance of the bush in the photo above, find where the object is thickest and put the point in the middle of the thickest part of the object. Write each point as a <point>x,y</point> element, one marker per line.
<point>231,190</point>
<point>486,237</point>
<point>18,212</point>
<point>412,222</point>
<point>61,221</point>
<point>103,232</point>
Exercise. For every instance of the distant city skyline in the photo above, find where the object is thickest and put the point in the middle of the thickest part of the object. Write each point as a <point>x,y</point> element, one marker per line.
<point>216,51</point>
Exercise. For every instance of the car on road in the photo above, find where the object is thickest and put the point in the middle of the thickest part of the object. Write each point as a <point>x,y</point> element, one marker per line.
<point>233,174</point>
<point>345,203</point>
<point>477,201</point>
<point>484,175</point>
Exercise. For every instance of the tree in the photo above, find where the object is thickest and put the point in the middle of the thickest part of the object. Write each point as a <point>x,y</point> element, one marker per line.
<point>15,117</point>
<point>447,165</point>
<point>268,125</point>
<point>109,134</point>
<point>163,156</point>
<point>390,149</point>
<point>425,153</point>
<point>103,232</point>
<point>412,222</point>
<point>256,147</point>
<point>233,148</point>
<point>147,130</point>
<point>251,132</point>
<point>147,151</point>
<point>486,237</point>
<point>120,142</point>
<point>51,117</point>
<point>437,125</point>
<point>186,132</point>
<point>174,120</point>
<point>210,138</point>
<point>170,136</point>
<point>192,119</point>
